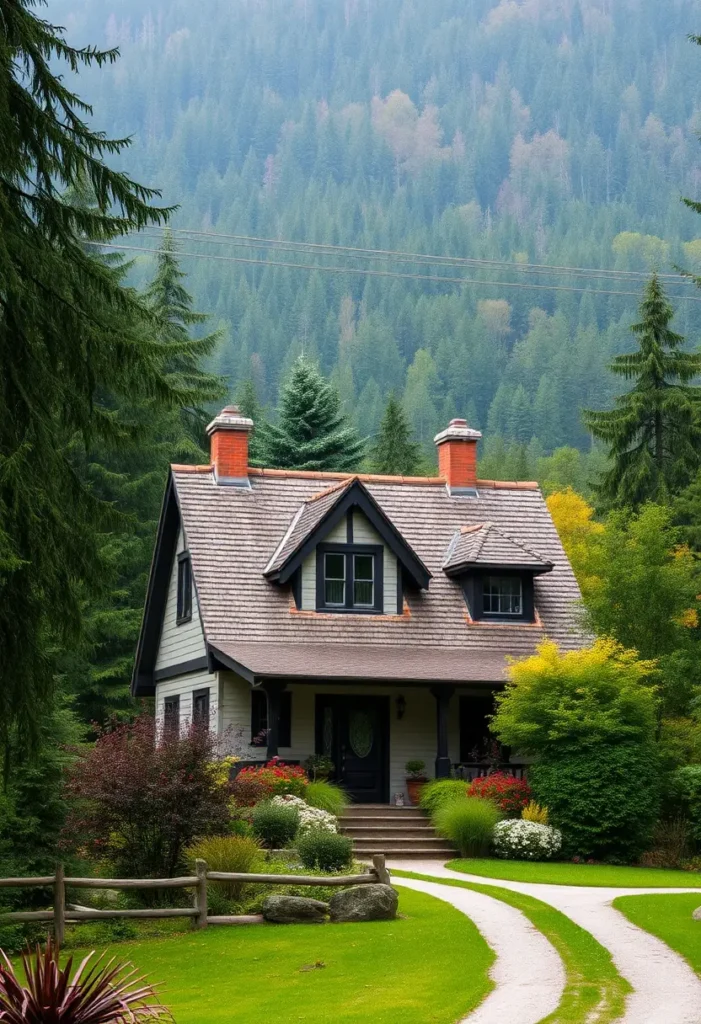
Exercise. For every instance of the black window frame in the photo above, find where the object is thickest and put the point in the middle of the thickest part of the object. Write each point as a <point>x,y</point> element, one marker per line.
<point>171,716</point>
<point>200,718</point>
<point>184,589</point>
<point>259,718</point>
<point>473,588</point>
<point>349,551</point>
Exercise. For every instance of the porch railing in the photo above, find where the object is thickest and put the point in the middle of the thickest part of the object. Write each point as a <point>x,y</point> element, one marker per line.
<point>470,770</point>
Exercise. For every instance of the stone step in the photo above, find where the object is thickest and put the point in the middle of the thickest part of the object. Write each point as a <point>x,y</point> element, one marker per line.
<point>381,811</point>
<point>378,821</point>
<point>387,834</point>
<point>414,852</point>
<point>380,845</point>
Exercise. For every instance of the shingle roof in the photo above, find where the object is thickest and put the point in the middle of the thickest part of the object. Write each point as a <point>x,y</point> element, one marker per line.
<point>231,533</point>
<point>483,544</point>
<point>305,521</point>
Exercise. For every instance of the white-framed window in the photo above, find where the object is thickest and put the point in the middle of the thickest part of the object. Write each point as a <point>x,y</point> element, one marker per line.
<point>503,596</point>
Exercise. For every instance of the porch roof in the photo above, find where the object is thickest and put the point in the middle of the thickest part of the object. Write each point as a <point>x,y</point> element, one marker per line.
<point>360,663</point>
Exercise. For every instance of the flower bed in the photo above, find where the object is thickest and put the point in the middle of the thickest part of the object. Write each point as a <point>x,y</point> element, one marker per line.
<point>275,778</point>
<point>510,794</point>
<point>526,840</point>
<point>309,817</point>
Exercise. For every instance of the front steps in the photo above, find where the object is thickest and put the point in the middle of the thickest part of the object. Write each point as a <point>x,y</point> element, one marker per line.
<point>395,831</point>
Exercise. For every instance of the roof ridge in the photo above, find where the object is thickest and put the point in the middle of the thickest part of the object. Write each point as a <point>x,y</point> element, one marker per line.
<point>339,486</point>
<point>484,532</point>
<point>518,543</point>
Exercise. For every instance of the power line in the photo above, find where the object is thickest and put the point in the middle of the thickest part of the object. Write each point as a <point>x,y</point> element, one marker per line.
<point>307,248</point>
<point>386,273</point>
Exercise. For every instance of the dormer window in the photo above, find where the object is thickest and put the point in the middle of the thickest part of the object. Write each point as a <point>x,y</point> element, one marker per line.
<point>502,597</point>
<point>349,578</point>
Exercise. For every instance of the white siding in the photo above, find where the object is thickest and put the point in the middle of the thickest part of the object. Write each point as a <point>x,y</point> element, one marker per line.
<point>184,687</point>
<point>363,533</point>
<point>184,642</point>
<point>412,737</point>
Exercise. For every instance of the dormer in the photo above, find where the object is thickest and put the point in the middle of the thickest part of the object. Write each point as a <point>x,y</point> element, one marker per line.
<point>496,572</point>
<point>341,554</point>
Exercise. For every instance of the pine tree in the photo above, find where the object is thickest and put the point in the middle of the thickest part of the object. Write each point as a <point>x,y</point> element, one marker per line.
<point>654,433</point>
<point>395,452</point>
<point>311,433</point>
<point>249,404</point>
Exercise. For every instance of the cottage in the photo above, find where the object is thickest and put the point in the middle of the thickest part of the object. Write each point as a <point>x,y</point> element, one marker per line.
<point>367,618</point>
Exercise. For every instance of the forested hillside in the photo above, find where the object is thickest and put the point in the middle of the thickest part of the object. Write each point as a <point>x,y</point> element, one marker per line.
<point>556,132</point>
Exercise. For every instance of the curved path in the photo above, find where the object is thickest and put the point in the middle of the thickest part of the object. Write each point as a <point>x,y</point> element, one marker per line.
<point>528,973</point>
<point>666,990</point>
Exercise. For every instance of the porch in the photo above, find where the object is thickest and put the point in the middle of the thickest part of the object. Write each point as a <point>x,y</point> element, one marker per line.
<point>368,731</point>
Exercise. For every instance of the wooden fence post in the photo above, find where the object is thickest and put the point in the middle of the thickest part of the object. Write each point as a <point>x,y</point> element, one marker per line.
<point>201,894</point>
<point>378,862</point>
<point>59,905</point>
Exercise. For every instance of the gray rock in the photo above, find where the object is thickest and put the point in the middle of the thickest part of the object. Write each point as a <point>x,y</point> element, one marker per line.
<point>364,903</point>
<point>294,910</point>
<point>697,914</point>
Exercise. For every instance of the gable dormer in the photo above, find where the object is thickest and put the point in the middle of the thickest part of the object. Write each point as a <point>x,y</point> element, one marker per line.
<point>496,572</point>
<point>342,554</point>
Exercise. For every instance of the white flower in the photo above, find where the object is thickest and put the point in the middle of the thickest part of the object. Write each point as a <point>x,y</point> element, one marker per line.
<point>526,840</point>
<point>309,817</point>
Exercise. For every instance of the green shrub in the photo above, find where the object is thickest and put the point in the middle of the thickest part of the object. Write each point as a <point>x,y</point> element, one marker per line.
<point>327,851</point>
<point>468,824</point>
<point>686,795</point>
<point>604,800</point>
<point>275,825</point>
<point>226,853</point>
<point>327,797</point>
<point>436,794</point>
<point>240,827</point>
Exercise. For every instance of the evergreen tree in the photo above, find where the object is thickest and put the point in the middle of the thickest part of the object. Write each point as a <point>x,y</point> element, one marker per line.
<point>73,341</point>
<point>248,403</point>
<point>395,452</point>
<point>311,433</point>
<point>654,433</point>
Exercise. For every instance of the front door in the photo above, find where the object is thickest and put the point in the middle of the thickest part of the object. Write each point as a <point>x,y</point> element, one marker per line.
<point>354,733</point>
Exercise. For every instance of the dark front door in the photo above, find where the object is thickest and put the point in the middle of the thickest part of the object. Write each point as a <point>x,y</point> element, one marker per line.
<point>354,733</point>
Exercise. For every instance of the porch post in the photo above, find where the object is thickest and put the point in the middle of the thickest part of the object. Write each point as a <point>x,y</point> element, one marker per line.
<point>442,695</point>
<point>272,690</point>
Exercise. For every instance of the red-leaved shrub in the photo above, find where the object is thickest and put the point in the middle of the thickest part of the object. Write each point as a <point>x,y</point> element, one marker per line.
<point>275,778</point>
<point>139,803</point>
<point>510,794</point>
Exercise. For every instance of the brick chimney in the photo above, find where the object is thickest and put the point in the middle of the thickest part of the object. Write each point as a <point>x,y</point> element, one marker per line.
<point>457,455</point>
<point>228,446</point>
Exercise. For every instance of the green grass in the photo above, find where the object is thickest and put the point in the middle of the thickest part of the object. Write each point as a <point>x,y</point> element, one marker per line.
<point>559,873</point>
<point>430,966</point>
<point>594,990</point>
<point>669,918</point>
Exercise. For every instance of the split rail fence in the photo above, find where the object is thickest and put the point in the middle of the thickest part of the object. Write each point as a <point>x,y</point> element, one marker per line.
<point>63,913</point>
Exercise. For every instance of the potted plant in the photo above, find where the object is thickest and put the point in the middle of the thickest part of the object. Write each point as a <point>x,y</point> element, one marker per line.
<point>415,779</point>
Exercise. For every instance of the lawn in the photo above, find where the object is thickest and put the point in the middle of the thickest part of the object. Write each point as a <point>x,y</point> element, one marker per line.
<point>558,873</point>
<point>669,918</point>
<point>594,990</point>
<point>428,967</point>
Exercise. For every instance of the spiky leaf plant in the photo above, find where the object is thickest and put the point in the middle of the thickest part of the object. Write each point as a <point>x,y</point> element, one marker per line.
<point>100,992</point>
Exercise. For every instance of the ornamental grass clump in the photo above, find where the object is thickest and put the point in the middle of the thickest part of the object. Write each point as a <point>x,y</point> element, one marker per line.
<point>275,825</point>
<point>325,851</point>
<point>310,818</point>
<point>327,797</point>
<point>526,840</point>
<point>468,824</point>
<point>101,992</point>
<point>235,854</point>
<point>436,794</point>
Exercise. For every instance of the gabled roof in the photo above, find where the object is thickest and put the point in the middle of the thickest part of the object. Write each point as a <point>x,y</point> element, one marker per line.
<point>485,546</point>
<point>316,517</point>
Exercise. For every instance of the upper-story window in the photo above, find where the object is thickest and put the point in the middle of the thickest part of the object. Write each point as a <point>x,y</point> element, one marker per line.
<point>503,596</point>
<point>349,578</point>
<point>184,610</point>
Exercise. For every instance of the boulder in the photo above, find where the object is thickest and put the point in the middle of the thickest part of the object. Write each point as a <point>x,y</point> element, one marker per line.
<point>364,903</point>
<point>294,910</point>
<point>697,914</point>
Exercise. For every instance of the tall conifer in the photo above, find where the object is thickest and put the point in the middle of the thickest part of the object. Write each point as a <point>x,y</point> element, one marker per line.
<point>395,452</point>
<point>311,432</point>
<point>73,342</point>
<point>654,432</point>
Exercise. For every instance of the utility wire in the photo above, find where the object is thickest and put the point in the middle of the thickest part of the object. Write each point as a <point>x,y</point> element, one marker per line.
<point>308,248</point>
<point>387,273</point>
